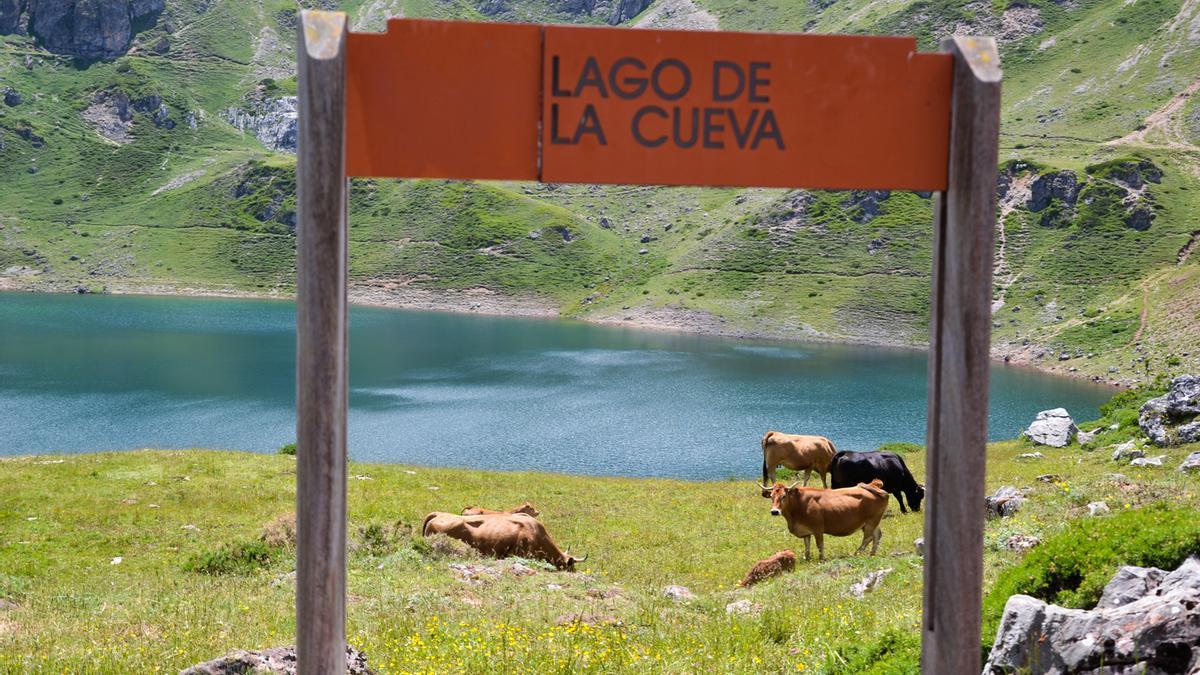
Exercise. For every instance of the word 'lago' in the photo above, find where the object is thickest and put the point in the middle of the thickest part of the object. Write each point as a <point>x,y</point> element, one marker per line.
<point>646,107</point>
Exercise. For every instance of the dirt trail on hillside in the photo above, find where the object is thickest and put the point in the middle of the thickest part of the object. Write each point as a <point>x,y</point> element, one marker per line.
<point>1018,194</point>
<point>1163,121</point>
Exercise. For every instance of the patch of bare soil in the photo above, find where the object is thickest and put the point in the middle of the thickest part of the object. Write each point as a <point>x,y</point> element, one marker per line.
<point>678,15</point>
<point>401,293</point>
<point>1163,123</point>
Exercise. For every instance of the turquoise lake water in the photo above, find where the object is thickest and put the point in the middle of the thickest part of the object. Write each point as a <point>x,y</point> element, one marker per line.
<point>82,373</point>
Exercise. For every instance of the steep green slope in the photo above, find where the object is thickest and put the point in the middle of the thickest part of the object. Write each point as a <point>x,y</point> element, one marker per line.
<point>131,175</point>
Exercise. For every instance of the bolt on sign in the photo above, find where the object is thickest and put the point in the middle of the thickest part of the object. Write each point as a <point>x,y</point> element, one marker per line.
<point>602,105</point>
<point>431,99</point>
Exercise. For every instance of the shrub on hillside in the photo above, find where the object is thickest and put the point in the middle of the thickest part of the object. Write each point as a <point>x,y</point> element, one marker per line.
<point>280,532</point>
<point>245,557</point>
<point>376,539</point>
<point>1071,568</point>
<point>289,449</point>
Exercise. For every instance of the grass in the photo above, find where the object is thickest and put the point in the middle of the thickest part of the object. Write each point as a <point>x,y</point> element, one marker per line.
<point>198,574</point>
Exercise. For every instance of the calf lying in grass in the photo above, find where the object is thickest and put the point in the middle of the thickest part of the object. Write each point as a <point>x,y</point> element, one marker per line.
<point>784,561</point>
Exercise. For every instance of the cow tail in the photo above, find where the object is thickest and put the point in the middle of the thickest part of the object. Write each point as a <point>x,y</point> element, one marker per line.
<point>425,523</point>
<point>765,437</point>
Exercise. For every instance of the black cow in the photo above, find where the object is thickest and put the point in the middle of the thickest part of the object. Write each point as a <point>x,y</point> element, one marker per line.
<point>851,468</point>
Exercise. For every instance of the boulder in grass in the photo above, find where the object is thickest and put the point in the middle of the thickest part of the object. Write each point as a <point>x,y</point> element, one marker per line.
<point>1191,464</point>
<point>273,661</point>
<point>1004,502</point>
<point>1147,622</point>
<point>1127,451</point>
<point>1148,461</point>
<point>1054,428</point>
<point>679,593</point>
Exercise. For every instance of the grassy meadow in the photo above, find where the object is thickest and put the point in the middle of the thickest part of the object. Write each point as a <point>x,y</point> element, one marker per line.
<point>125,562</point>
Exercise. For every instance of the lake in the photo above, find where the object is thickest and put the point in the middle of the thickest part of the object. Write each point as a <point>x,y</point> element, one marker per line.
<point>83,373</point>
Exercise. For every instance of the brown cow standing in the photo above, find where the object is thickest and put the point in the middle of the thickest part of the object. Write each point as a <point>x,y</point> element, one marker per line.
<point>796,452</point>
<point>816,512</point>
<point>525,508</point>
<point>501,535</point>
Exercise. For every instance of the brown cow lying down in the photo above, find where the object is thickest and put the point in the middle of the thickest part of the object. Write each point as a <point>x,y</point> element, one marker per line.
<point>816,512</point>
<point>525,508</point>
<point>501,535</point>
<point>796,452</point>
<point>784,561</point>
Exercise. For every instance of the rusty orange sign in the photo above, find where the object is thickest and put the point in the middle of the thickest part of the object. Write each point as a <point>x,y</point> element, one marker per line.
<point>444,99</point>
<point>610,105</point>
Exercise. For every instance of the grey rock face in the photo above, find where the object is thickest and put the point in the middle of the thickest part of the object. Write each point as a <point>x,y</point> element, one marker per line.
<point>624,10</point>
<point>274,661</point>
<point>1172,419</point>
<point>1192,463</point>
<point>272,121</point>
<point>1054,428</point>
<point>1059,185</point>
<point>865,205</point>
<point>1147,621</point>
<point>95,29</point>
<point>1139,218</point>
<point>10,16</point>
<point>1004,502</point>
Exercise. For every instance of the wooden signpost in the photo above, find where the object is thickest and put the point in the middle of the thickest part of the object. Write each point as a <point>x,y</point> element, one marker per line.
<point>437,99</point>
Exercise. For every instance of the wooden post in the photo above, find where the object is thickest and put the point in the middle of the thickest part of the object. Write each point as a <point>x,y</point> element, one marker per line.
<point>959,358</point>
<point>321,346</point>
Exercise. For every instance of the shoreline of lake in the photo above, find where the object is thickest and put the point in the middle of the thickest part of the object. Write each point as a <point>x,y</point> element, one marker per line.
<point>487,302</point>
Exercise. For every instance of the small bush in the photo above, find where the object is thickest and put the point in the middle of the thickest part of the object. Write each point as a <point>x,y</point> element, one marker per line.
<point>289,449</point>
<point>376,539</point>
<point>896,652</point>
<point>1071,568</point>
<point>901,448</point>
<point>280,532</point>
<point>244,557</point>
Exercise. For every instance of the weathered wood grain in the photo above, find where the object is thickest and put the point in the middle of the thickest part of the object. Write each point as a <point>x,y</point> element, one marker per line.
<point>960,334</point>
<point>321,346</point>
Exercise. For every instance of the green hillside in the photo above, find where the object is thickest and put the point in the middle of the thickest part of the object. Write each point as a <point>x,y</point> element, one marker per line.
<point>131,174</point>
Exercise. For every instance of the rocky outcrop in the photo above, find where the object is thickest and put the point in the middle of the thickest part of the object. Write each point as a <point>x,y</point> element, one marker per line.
<point>1062,185</point>
<point>1054,428</point>
<point>865,205</point>
<point>12,97</point>
<point>273,661</point>
<point>1147,622</point>
<point>111,114</point>
<point>80,28</point>
<point>271,120</point>
<point>624,10</point>
<point>1173,418</point>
